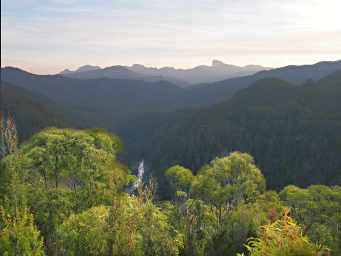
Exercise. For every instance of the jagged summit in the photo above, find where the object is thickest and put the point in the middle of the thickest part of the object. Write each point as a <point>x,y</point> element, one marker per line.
<point>218,70</point>
<point>218,63</point>
<point>85,68</point>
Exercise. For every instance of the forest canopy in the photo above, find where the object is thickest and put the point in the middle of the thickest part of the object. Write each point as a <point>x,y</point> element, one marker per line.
<point>63,193</point>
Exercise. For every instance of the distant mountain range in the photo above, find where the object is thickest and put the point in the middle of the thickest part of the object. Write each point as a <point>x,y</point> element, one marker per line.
<point>201,74</point>
<point>124,85</point>
<point>117,72</point>
<point>85,68</point>
<point>181,77</point>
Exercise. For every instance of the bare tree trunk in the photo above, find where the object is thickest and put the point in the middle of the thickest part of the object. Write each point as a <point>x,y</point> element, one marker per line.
<point>56,173</point>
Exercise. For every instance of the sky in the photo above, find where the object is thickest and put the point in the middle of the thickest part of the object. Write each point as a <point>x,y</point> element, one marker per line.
<point>48,36</point>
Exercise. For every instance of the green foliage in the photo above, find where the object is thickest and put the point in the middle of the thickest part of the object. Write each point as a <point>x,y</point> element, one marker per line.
<point>132,227</point>
<point>180,178</point>
<point>5,183</point>
<point>65,158</point>
<point>243,222</point>
<point>32,111</point>
<point>318,210</point>
<point>74,187</point>
<point>19,235</point>
<point>64,171</point>
<point>50,208</point>
<point>284,238</point>
<point>229,181</point>
<point>195,220</point>
<point>84,233</point>
<point>292,131</point>
<point>220,214</point>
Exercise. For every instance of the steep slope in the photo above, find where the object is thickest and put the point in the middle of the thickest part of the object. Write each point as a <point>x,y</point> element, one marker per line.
<point>31,110</point>
<point>135,110</point>
<point>222,90</point>
<point>293,132</point>
<point>101,102</point>
<point>204,94</point>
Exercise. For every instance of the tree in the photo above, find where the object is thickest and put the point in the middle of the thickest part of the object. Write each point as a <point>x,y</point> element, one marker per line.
<point>220,214</point>
<point>284,238</point>
<point>243,222</point>
<point>132,227</point>
<point>194,219</point>
<point>75,160</point>
<point>19,235</point>
<point>71,157</point>
<point>318,211</point>
<point>180,178</point>
<point>229,181</point>
<point>66,171</point>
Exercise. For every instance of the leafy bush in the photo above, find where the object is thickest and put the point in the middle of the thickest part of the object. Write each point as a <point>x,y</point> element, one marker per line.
<point>19,235</point>
<point>284,238</point>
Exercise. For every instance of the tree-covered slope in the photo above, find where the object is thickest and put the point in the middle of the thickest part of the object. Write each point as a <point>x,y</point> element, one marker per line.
<point>31,110</point>
<point>278,123</point>
<point>102,93</point>
<point>293,132</point>
<point>100,102</point>
<point>297,75</point>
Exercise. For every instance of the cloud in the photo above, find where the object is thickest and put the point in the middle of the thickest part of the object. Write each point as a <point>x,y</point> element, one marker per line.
<point>174,32</point>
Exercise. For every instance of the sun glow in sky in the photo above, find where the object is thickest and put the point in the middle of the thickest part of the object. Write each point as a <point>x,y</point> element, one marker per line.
<point>47,36</point>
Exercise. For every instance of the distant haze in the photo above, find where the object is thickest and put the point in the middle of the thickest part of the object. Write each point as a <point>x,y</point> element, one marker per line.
<point>181,77</point>
<point>52,35</point>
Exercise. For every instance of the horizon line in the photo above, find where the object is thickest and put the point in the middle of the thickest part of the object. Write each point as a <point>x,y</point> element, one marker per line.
<point>160,67</point>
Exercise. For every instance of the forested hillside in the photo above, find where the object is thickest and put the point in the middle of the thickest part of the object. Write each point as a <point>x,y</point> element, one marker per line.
<point>279,123</point>
<point>32,110</point>
<point>63,192</point>
<point>100,102</point>
<point>297,75</point>
<point>293,132</point>
<point>136,109</point>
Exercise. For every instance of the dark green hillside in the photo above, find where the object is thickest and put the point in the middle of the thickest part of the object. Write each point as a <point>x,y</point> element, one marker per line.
<point>297,75</point>
<point>276,122</point>
<point>100,102</point>
<point>293,132</point>
<point>129,96</point>
<point>31,110</point>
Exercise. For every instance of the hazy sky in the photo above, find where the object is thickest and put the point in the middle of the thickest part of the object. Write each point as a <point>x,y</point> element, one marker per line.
<point>46,36</point>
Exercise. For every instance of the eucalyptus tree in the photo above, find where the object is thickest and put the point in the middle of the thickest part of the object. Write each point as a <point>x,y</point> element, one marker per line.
<point>318,210</point>
<point>180,179</point>
<point>18,233</point>
<point>133,227</point>
<point>284,238</point>
<point>216,202</point>
<point>68,171</point>
<point>228,182</point>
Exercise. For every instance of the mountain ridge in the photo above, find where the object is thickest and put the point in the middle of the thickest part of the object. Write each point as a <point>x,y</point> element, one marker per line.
<point>284,126</point>
<point>217,71</point>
